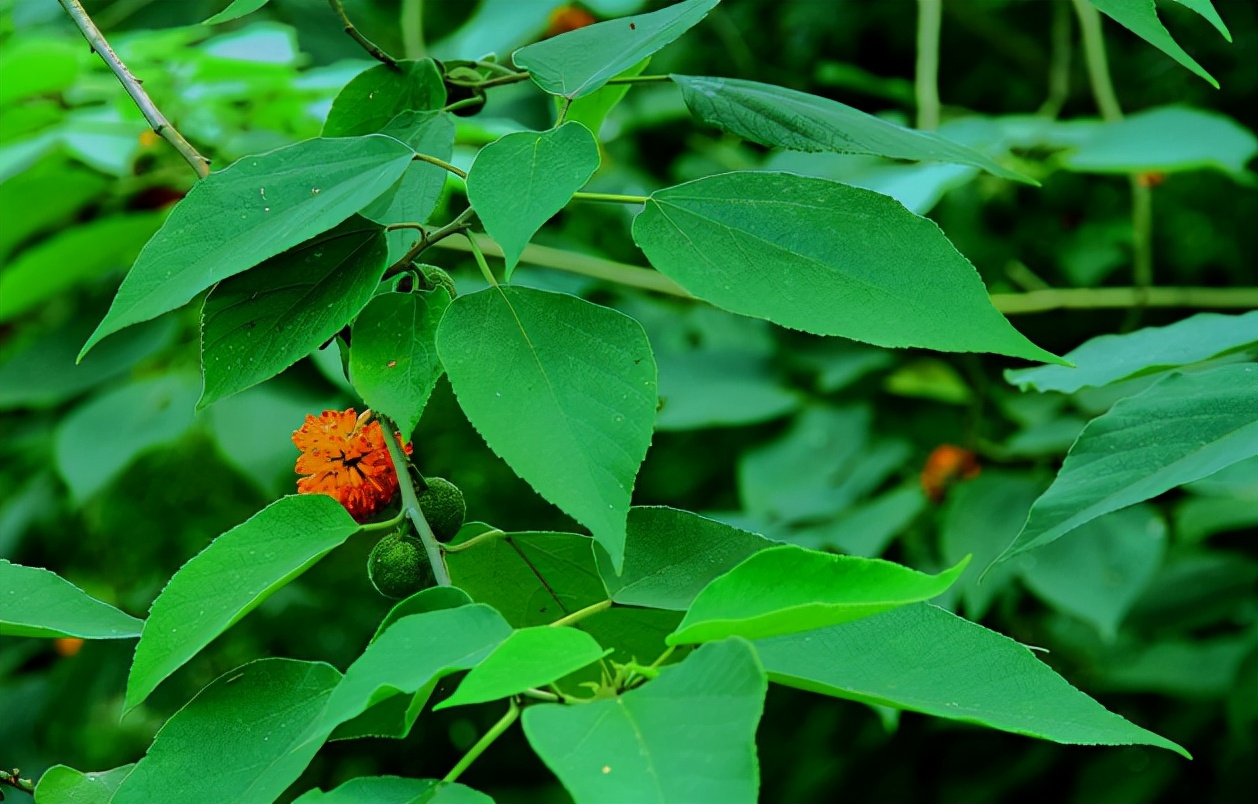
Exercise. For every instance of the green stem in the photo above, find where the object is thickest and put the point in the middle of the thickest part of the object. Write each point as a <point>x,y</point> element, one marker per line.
<point>392,226</point>
<point>160,125</point>
<point>572,262</point>
<point>1141,249</point>
<point>581,614</point>
<point>1040,301</point>
<point>502,80</point>
<point>484,742</point>
<point>410,504</point>
<point>611,198</point>
<point>441,163</point>
<point>411,21</point>
<point>542,695</point>
<point>480,259</point>
<point>462,104</point>
<point>501,69</point>
<point>487,536</point>
<point>367,44</point>
<point>388,524</point>
<point>663,657</point>
<point>1059,61</point>
<point>1098,64</point>
<point>926,75</point>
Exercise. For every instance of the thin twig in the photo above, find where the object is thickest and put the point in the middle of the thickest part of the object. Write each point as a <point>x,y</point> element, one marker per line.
<point>1040,301</point>
<point>161,126</point>
<point>484,742</point>
<point>367,44</point>
<point>428,240</point>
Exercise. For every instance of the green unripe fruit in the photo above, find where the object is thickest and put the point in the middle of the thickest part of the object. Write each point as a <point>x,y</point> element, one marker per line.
<point>398,566</point>
<point>443,507</point>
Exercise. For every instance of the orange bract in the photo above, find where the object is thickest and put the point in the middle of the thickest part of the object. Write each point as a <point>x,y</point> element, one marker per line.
<point>944,467</point>
<point>344,456</point>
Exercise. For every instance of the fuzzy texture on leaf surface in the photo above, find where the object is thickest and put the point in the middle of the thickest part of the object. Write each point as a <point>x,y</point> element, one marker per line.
<point>344,456</point>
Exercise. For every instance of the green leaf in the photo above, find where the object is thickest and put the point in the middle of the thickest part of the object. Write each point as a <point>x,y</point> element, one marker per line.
<point>578,62</point>
<point>414,652</point>
<point>671,555</point>
<point>1141,18</point>
<point>592,109</point>
<point>980,518</point>
<point>236,10</point>
<point>378,95</point>
<point>229,579</point>
<point>1169,139</point>
<point>249,726</point>
<point>395,790</point>
<point>1206,9</point>
<point>39,603</point>
<point>1183,428</point>
<point>530,578</point>
<point>924,659</point>
<point>77,255</point>
<point>520,181</point>
<point>868,527</point>
<point>1102,569</point>
<point>258,323</point>
<point>65,785</point>
<point>531,657</point>
<point>562,390</point>
<point>783,118</point>
<point>787,588</point>
<point>414,196</point>
<point>825,258</point>
<point>434,598</point>
<point>1110,358</point>
<point>237,217</point>
<point>687,736</point>
<point>42,373</point>
<point>101,437</point>
<point>393,360</point>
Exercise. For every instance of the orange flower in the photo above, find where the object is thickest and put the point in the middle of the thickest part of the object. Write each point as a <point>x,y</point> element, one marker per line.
<point>944,467</point>
<point>345,457</point>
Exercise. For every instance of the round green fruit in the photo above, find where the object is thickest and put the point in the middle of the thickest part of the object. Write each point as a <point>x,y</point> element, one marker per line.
<point>443,507</point>
<point>398,566</point>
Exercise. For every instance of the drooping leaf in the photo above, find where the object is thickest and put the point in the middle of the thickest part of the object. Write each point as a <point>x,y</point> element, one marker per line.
<point>231,577</point>
<point>562,390</point>
<point>77,255</point>
<point>687,736</point>
<point>786,589</point>
<point>411,654</point>
<point>236,10</point>
<point>578,62</point>
<point>1169,139</point>
<point>98,440</point>
<point>1183,428</point>
<point>520,181</point>
<point>530,578</point>
<point>825,258</point>
<point>414,196</point>
<point>381,93</point>
<point>671,555</point>
<point>1099,572</point>
<point>1110,358</point>
<point>250,726</point>
<point>1141,18</point>
<point>258,323</point>
<point>393,358</point>
<point>530,657</point>
<point>61,784</point>
<point>924,659</point>
<point>248,212</point>
<point>784,118</point>
<point>37,603</point>
<point>395,790</point>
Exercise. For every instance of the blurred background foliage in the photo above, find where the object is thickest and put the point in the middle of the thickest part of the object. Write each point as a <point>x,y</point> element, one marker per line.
<point>110,478</point>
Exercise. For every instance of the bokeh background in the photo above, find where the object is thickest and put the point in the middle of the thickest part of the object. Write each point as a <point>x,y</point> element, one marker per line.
<point>108,477</point>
